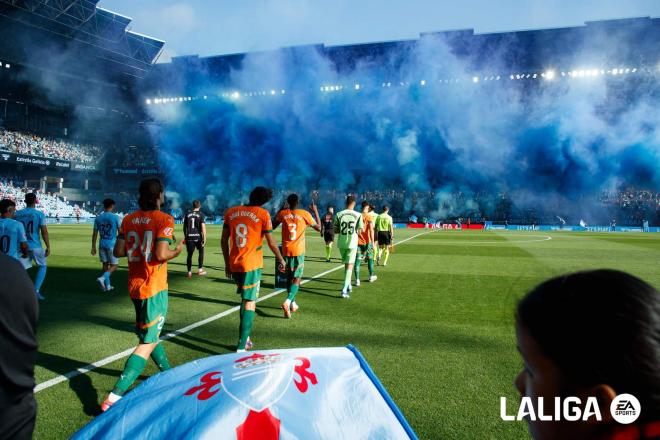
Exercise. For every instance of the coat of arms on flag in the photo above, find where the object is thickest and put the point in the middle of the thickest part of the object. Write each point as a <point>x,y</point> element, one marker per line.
<point>308,393</point>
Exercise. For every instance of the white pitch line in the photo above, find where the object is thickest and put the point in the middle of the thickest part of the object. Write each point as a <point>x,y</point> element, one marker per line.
<point>87,368</point>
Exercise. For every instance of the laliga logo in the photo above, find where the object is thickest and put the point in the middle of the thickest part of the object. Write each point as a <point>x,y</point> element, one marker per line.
<point>5,156</point>
<point>625,409</point>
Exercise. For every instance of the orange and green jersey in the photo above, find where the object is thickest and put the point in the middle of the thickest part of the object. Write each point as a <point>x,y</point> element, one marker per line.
<point>247,226</point>
<point>294,222</point>
<point>141,231</point>
<point>363,235</point>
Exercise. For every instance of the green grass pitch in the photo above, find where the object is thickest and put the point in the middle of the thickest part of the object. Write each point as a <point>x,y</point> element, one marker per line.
<point>437,326</point>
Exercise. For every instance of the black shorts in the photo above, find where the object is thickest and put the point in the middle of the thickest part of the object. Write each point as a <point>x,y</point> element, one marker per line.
<point>328,237</point>
<point>384,238</point>
<point>192,245</point>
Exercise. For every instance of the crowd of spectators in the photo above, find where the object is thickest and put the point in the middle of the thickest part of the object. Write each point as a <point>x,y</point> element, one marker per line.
<point>51,205</point>
<point>33,145</point>
<point>133,156</point>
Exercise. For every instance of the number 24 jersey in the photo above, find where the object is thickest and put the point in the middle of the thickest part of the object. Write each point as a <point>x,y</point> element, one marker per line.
<point>141,231</point>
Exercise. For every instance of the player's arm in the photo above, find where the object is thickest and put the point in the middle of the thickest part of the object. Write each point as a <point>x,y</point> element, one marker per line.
<point>203,233</point>
<point>317,219</point>
<point>371,232</point>
<point>185,226</point>
<point>164,253</point>
<point>22,241</point>
<point>44,235</point>
<point>392,229</point>
<point>276,250</point>
<point>95,235</point>
<point>335,224</point>
<point>224,244</point>
<point>120,247</point>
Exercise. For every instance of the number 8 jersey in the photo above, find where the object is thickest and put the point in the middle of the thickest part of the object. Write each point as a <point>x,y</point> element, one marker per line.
<point>141,231</point>
<point>247,226</point>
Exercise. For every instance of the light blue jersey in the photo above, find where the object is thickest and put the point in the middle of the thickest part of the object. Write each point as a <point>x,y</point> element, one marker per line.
<point>107,224</point>
<point>12,234</point>
<point>33,220</point>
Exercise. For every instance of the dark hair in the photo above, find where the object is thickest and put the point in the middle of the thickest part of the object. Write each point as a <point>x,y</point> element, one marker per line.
<point>350,200</point>
<point>260,196</point>
<point>293,201</point>
<point>108,203</point>
<point>599,327</point>
<point>150,190</point>
<point>330,207</point>
<point>365,204</point>
<point>5,204</point>
<point>196,204</point>
<point>30,198</point>
<point>385,208</point>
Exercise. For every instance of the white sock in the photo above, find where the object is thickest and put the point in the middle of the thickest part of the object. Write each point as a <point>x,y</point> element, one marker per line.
<point>112,397</point>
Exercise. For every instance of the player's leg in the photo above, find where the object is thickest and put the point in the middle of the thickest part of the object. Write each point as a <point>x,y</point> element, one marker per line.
<point>369,256</point>
<point>248,286</point>
<point>150,317</point>
<point>358,262</point>
<point>328,247</point>
<point>295,268</point>
<point>104,268</point>
<point>200,258</point>
<point>39,256</point>
<point>190,248</point>
<point>348,258</point>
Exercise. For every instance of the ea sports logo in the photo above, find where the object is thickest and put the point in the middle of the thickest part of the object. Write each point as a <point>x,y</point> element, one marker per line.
<point>625,408</point>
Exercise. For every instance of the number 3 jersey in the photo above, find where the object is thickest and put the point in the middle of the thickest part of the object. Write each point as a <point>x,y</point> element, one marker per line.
<point>247,226</point>
<point>294,224</point>
<point>141,231</point>
<point>348,223</point>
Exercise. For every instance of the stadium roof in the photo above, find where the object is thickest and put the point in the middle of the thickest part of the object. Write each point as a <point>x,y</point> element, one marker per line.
<point>74,36</point>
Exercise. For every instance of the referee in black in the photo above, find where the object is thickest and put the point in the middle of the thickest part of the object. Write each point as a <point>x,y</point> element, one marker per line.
<point>194,231</point>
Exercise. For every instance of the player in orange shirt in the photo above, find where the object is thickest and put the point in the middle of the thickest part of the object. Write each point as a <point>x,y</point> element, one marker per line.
<point>365,245</point>
<point>294,222</point>
<point>245,227</point>
<point>144,237</point>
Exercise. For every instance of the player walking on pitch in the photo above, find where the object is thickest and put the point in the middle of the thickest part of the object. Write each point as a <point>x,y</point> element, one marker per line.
<point>294,222</point>
<point>385,234</point>
<point>365,250</point>
<point>194,231</point>
<point>246,227</point>
<point>328,231</point>
<point>34,222</point>
<point>144,237</point>
<point>106,226</point>
<point>13,241</point>
<point>348,223</point>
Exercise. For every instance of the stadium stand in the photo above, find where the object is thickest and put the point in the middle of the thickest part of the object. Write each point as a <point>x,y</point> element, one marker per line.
<point>49,204</point>
<point>33,145</point>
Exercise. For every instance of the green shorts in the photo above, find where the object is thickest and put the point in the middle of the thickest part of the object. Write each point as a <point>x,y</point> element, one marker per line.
<point>247,284</point>
<point>150,317</point>
<point>295,265</point>
<point>348,255</point>
<point>365,251</point>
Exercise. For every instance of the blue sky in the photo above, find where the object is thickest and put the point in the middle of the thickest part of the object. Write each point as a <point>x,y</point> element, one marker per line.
<point>212,27</point>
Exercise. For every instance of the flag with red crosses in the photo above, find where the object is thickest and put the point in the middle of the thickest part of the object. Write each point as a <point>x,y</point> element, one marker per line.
<point>310,393</point>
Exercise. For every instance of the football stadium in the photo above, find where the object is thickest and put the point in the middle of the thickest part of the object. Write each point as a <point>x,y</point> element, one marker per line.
<point>451,236</point>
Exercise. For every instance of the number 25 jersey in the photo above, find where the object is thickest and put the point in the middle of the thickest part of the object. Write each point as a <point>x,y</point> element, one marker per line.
<point>247,226</point>
<point>141,231</point>
<point>348,223</point>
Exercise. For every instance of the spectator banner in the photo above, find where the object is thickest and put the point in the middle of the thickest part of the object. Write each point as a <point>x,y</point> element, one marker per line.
<point>136,171</point>
<point>23,159</point>
<point>310,393</point>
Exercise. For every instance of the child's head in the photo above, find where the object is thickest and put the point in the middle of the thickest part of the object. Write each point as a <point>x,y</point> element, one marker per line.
<point>590,334</point>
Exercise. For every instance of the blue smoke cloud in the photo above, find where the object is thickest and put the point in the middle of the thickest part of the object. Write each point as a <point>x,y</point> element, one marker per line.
<point>551,143</point>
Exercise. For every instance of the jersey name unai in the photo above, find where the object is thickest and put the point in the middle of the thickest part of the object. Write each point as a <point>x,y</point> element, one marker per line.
<point>348,223</point>
<point>192,226</point>
<point>247,227</point>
